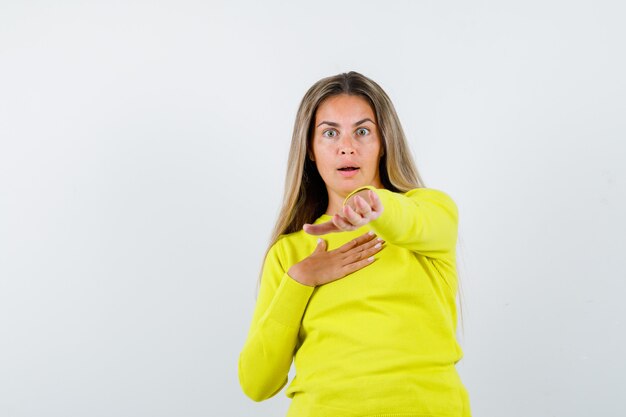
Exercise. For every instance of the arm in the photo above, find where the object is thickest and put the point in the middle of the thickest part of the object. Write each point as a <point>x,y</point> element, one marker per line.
<point>423,220</point>
<point>267,354</point>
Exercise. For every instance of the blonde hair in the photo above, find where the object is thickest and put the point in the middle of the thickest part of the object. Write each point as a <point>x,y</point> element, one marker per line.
<point>305,195</point>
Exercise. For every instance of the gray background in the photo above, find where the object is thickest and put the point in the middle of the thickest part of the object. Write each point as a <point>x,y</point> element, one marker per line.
<point>143,149</point>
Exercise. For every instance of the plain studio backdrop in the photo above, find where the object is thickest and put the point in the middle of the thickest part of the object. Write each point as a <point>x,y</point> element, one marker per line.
<point>143,150</point>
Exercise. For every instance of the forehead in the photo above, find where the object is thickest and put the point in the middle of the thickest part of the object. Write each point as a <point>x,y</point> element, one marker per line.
<point>344,107</point>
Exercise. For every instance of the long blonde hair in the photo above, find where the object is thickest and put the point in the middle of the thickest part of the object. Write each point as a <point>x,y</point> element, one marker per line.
<point>305,195</point>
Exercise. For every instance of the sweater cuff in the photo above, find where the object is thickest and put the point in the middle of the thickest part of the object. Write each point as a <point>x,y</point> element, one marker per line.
<point>365,187</point>
<point>290,301</point>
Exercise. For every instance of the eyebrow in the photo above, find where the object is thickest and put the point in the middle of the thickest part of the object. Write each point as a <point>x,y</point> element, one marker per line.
<point>367,119</point>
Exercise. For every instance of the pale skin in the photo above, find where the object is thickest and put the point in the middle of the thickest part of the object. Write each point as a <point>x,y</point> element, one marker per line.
<point>345,134</point>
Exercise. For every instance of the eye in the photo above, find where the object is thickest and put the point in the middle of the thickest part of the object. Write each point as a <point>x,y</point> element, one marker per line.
<point>330,133</point>
<point>362,131</point>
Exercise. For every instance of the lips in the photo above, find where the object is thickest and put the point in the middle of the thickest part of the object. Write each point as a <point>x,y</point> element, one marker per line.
<point>348,171</point>
<point>348,166</point>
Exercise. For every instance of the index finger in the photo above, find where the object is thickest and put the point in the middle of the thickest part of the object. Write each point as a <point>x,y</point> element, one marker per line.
<point>364,238</point>
<point>320,228</point>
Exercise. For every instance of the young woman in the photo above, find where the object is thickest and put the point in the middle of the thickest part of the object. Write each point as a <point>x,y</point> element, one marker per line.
<point>368,311</point>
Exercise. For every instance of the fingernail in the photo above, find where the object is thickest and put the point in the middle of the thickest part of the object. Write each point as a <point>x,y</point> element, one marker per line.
<point>380,239</point>
<point>371,258</point>
<point>371,233</point>
<point>319,240</point>
<point>378,245</point>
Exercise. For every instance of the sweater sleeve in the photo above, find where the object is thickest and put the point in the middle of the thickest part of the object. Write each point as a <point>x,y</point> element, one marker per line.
<point>266,357</point>
<point>423,220</point>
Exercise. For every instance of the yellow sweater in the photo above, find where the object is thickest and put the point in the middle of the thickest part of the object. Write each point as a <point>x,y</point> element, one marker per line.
<point>378,342</point>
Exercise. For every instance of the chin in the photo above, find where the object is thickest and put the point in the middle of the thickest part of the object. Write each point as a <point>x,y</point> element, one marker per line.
<point>349,187</point>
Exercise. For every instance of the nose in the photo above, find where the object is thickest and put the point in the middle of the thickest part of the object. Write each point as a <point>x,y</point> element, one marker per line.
<point>345,146</point>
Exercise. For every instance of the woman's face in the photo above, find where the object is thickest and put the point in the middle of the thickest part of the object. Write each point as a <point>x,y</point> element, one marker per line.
<point>346,136</point>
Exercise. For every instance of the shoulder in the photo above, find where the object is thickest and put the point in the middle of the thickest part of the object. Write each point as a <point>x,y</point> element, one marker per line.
<point>277,250</point>
<point>289,241</point>
<point>291,246</point>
